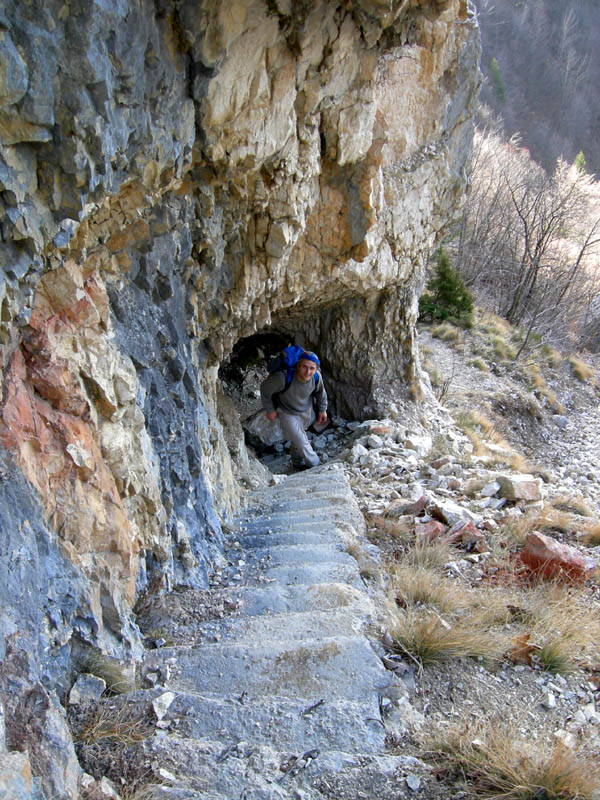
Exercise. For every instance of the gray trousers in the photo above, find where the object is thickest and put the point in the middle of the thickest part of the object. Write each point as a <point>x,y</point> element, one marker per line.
<point>294,427</point>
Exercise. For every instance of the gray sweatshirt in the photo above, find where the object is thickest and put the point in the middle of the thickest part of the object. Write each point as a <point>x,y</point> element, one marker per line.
<point>297,399</point>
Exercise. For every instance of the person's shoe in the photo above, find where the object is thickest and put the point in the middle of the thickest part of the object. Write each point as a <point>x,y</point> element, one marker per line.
<point>300,465</point>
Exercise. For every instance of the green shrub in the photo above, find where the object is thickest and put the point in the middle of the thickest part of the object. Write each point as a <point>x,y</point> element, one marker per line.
<point>447,297</point>
<point>497,79</point>
<point>580,162</point>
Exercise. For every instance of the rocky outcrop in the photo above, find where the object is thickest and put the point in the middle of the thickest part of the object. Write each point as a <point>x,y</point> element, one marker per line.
<point>175,177</point>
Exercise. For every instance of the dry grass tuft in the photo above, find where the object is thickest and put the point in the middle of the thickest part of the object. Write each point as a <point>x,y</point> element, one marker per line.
<point>562,625</point>
<point>592,534</point>
<point>514,530</point>
<point>432,371</point>
<point>118,677</point>
<point>123,723</point>
<point>368,567</point>
<point>572,505</point>
<point>138,791</point>
<point>535,376</point>
<point>427,555</point>
<point>496,763</point>
<point>446,332</point>
<point>430,639</point>
<point>582,371</point>
<point>502,349</point>
<point>488,443</point>
<point>412,586</point>
<point>480,364</point>
<point>400,530</point>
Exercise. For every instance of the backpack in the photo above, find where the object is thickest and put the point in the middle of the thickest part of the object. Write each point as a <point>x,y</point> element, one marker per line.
<point>286,361</point>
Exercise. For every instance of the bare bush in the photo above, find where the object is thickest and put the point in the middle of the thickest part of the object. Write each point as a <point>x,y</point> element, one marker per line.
<point>528,242</point>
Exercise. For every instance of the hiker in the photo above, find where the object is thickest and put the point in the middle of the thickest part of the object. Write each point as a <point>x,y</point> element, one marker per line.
<point>295,393</point>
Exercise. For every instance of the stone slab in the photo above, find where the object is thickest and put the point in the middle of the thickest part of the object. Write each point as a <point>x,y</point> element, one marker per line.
<point>338,668</point>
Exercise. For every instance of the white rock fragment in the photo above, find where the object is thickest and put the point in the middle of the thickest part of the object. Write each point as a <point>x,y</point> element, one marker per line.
<point>162,703</point>
<point>421,444</point>
<point>413,782</point>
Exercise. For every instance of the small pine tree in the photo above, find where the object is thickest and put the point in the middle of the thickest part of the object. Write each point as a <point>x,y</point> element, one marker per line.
<point>447,297</point>
<point>580,162</point>
<point>497,79</point>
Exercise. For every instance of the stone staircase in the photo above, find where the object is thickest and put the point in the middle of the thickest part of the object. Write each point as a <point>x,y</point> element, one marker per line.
<point>282,698</point>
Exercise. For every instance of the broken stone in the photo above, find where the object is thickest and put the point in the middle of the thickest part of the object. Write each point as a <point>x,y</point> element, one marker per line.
<point>490,489</point>
<point>553,559</point>
<point>450,512</point>
<point>429,531</point>
<point>440,462</point>
<point>413,782</point>
<point>421,444</point>
<point>465,533</point>
<point>400,508</point>
<point>161,704</point>
<point>87,688</point>
<point>520,487</point>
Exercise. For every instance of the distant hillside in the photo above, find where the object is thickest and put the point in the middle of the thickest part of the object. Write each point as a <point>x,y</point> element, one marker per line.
<point>541,66</point>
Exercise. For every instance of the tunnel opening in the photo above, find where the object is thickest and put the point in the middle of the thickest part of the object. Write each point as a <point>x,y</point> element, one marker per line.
<point>241,375</point>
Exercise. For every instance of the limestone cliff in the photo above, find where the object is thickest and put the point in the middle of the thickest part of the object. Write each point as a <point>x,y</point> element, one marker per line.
<point>176,176</point>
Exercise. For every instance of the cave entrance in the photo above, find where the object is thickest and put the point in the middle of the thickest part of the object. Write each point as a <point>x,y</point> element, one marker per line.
<point>241,375</point>
<point>245,369</point>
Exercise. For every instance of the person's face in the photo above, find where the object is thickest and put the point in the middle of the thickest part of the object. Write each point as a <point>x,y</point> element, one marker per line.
<point>305,370</point>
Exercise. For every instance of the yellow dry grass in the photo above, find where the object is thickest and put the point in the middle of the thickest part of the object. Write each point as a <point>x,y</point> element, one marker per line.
<point>496,762</point>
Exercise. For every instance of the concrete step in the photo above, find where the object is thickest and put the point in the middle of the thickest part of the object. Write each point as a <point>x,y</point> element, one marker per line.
<point>159,791</point>
<point>275,598</point>
<point>242,769</point>
<point>279,722</point>
<point>344,668</point>
<point>291,535</point>
<point>284,520</point>
<point>281,627</point>
<point>308,574</point>
<point>298,554</point>
<point>293,525</point>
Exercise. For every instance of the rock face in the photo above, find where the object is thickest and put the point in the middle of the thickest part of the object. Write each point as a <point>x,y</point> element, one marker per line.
<point>177,176</point>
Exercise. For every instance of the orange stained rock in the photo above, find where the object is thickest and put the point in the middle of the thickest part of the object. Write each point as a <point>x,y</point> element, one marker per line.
<point>551,559</point>
<point>45,422</point>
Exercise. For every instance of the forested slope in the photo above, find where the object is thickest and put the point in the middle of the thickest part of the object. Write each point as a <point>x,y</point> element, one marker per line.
<point>541,63</point>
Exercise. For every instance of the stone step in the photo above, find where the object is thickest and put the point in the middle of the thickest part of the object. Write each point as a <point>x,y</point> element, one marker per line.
<point>291,535</point>
<point>279,722</point>
<point>344,667</point>
<point>323,503</point>
<point>243,769</point>
<point>290,491</point>
<point>280,627</point>
<point>283,520</point>
<point>295,524</point>
<point>298,554</point>
<point>159,791</point>
<point>321,572</point>
<point>320,480</point>
<point>274,598</point>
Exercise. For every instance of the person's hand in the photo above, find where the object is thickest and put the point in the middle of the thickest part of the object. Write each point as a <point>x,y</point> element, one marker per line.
<point>272,415</point>
<point>322,418</point>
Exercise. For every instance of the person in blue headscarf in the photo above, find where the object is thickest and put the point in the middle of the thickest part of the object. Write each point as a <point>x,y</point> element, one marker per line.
<point>298,405</point>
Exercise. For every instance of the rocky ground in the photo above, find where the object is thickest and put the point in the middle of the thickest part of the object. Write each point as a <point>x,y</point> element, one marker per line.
<point>416,484</point>
<point>389,464</point>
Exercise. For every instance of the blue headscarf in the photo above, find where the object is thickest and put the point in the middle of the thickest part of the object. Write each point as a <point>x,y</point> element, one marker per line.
<point>306,355</point>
